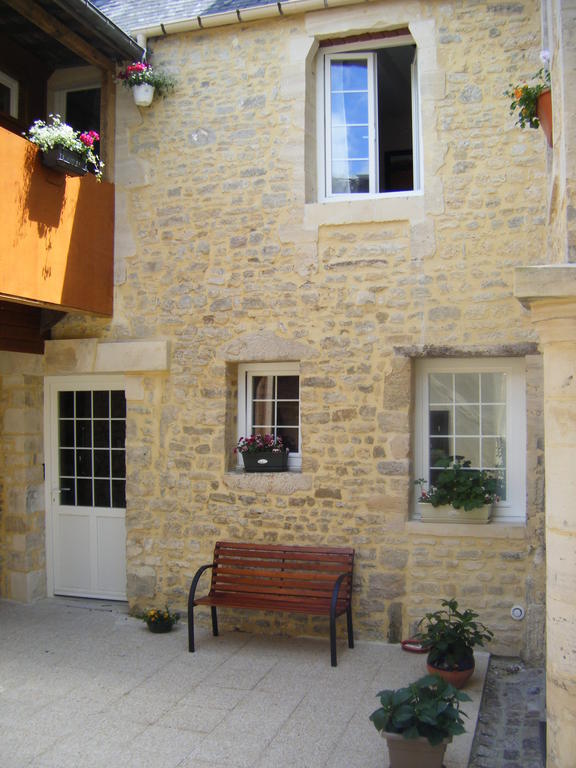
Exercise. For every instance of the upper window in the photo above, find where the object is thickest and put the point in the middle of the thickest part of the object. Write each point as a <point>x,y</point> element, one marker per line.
<point>369,138</point>
<point>8,95</point>
<point>269,403</point>
<point>474,410</point>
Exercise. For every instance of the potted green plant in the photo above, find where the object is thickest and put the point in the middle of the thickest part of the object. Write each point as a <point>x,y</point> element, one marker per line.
<point>160,621</point>
<point>146,82</point>
<point>533,102</point>
<point>419,721</point>
<point>451,636</point>
<point>459,494</point>
<point>64,149</point>
<point>263,453</point>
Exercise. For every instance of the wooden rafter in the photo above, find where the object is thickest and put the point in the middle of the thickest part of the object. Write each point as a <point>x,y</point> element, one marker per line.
<point>39,17</point>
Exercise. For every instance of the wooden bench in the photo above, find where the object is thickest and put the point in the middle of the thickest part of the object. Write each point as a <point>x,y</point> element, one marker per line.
<point>272,577</point>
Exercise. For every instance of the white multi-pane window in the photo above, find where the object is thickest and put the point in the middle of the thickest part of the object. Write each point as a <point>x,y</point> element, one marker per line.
<point>368,117</point>
<point>269,403</point>
<point>8,95</point>
<point>474,410</point>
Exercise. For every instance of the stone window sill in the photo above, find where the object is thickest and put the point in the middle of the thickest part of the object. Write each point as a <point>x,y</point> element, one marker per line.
<point>494,530</point>
<point>283,483</point>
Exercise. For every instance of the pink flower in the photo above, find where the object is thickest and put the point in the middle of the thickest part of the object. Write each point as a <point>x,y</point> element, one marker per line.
<point>87,139</point>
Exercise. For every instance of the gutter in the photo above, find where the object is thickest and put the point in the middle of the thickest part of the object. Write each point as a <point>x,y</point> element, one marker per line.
<point>94,19</point>
<point>237,16</point>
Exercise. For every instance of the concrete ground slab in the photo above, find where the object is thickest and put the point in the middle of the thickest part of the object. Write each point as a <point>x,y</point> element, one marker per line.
<point>84,685</point>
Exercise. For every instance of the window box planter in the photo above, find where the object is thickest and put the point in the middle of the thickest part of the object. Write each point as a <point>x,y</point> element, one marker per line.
<point>446,513</point>
<point>265,461</point>
<point>64,160</point>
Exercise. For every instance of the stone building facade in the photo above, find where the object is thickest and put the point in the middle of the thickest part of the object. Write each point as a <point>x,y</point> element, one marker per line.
<point>228,255</point>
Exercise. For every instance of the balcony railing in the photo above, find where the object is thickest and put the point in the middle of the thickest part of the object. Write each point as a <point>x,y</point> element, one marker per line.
<point>56,234</point>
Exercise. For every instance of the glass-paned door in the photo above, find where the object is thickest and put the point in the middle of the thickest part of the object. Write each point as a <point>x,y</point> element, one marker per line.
<point>88,476</point>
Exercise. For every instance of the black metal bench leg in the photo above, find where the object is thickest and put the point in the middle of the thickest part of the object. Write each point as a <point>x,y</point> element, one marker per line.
<point>350,628</point>
<point>191,648</point>
<point>214,621</point>
<point>333,641</point>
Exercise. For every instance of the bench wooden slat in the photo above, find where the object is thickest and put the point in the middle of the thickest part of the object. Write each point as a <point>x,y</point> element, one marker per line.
<point>298,579</point>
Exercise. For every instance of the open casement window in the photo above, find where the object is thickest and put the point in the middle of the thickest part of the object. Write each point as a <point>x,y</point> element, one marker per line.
<point>474,409</point>
<point>8,95</point>
<point>269,403</point>
<point>369,142</point>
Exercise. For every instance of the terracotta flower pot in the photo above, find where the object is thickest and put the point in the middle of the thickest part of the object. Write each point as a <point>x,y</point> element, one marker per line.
<point>544,114</point>
<point>456,677</point>
<point>409,753</point>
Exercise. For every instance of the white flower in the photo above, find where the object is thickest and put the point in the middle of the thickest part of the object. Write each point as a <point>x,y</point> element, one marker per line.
<point>545,58</point>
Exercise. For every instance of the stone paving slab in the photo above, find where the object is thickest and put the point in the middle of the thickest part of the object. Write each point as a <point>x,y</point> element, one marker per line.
<point>84,685</point>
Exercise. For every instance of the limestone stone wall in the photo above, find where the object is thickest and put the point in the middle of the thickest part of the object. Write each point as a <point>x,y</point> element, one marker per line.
<point>22,506</point>
<point>224,251</point>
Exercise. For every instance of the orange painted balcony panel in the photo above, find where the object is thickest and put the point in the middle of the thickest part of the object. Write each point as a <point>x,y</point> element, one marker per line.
<point>56,233</point>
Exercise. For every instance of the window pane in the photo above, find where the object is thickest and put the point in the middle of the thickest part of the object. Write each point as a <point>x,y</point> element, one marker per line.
<point>350,142</point>
<point>263,387</point>
<point>67,494</point>
<point>349,109</point>
<point>288,387</point>
<point>467,419</point>
<point>67,462</point>
<point>83,405</point>
<point>349,74</point>
<point>118,464</point>
<point>440,421</point>
<point>84,433</point>
<point>84,493</point>
<point>288,414</point>
<point>101,405</point>
<point>440,388</point>
<point>493,452</point>
<point>493,387</point>
<point>5,94</point>
<point>493,419</point>
<point>118,493</point>
<point>350,177</point>
<point>467,387</point>
<point>84,463</point>
<point>289,438</point>
<point>468,449</point>
<point>118,404</point>
<point>118,434</point>
<point>101,434</point>
<point>101,464</point>
<point>66,433</point>
<point>66,405</point>
<point>263,413</point>
<point>440,449</point>
<point>102,493</point>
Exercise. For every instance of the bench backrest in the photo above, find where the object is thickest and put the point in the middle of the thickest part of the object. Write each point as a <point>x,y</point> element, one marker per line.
<point>282,573</point>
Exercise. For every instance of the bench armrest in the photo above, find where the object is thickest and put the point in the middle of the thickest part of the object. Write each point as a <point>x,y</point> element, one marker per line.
<point>195,580</point>
<point>336,591</point>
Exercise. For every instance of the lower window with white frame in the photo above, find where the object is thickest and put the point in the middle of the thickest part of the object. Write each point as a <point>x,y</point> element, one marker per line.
<point>269,403</point>
<point>474,410</point>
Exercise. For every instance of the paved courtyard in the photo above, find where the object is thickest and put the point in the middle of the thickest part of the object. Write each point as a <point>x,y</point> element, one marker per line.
<point>84,685</point>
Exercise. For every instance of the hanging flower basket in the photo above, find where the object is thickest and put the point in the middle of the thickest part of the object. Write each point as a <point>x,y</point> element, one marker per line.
<point>143,94</point>
<point>544,113</point>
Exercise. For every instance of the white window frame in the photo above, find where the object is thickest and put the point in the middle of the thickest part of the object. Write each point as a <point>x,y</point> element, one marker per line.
<point>364,50</point>
<point>14,89</point>
<point>513,510</point>
<point>246,372</point>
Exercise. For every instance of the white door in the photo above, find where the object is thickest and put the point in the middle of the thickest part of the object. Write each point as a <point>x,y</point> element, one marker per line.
<point>86,486</point>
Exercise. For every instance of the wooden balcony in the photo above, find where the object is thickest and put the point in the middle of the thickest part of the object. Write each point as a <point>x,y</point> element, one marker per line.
<point>56,234</point>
